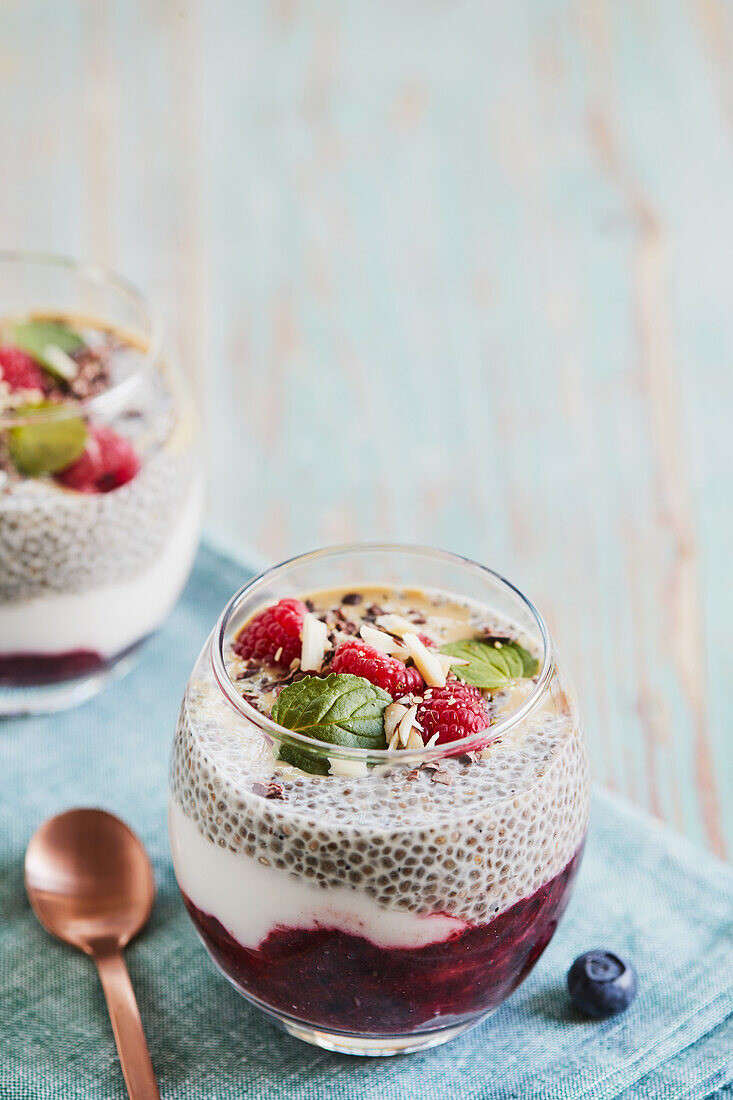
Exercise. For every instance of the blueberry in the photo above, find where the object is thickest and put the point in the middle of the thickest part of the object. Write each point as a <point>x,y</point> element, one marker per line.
<point>601,984</point>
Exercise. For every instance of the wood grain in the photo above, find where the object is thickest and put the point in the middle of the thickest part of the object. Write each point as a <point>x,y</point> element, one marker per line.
<point>453,273</point>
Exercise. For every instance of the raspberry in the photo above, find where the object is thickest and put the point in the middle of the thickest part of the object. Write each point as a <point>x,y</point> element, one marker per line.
<point>19,371</point>
<point>379,669</point>
<point>273,636</point>
<point>109,461</point>
<point>454,711</point>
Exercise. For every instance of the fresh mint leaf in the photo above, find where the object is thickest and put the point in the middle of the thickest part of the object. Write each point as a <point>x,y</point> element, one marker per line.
<point>491,665</point>
<point>305,759</point>
<point>48,446</point>
<point>37,337</point>
<point>338,710</point>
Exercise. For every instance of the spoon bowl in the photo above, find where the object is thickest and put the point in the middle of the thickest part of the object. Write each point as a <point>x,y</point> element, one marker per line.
<point>88,879</point>
<point>90,883</point>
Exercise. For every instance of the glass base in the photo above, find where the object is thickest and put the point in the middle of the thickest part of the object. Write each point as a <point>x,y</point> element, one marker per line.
<point>375,1046</point>
<point>16,702</point>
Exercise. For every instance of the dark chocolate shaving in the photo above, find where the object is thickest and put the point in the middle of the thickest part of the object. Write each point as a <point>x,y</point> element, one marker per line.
<point>290,678</point>
<point>93,375</point>
<point>268,790</point>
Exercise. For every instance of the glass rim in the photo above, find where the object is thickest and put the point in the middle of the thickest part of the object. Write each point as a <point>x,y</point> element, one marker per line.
<point>376,756</point>
<point>114,396</point>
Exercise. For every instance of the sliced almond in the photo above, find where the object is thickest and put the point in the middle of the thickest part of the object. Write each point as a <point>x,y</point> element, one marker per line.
<point>444,661</point>
<point>447,662</point>
<point>385,643</point>
<point>414,741</point>
<point>427,662</point>
<point>395,624</point>
<point>349,769</point>
<point>433,741</point>
<point>406,723</point>
<point>394,741</point>
<point>60,362</point>
<point>393,715</point>
<point>314,642</point>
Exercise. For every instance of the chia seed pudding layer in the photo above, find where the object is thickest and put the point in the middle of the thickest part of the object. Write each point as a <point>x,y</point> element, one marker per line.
<point>465,840</point>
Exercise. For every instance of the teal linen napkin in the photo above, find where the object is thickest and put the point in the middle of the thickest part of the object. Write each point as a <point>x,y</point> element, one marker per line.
<point>641,891</point>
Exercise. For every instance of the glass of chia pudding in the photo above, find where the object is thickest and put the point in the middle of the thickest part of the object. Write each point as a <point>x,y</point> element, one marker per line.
<point>100,481</point>
<point>379,795</point>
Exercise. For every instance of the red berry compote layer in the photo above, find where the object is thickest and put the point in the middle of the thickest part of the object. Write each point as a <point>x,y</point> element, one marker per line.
<point>99,497</point>
<point>388,896</point>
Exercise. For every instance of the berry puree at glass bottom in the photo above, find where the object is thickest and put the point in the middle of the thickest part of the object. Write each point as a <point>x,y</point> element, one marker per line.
<point>99,504</point>
<point>383,903</point>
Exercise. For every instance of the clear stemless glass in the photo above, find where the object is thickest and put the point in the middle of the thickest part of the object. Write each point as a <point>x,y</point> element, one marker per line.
<point>375,910</point>
<point>100,480</point>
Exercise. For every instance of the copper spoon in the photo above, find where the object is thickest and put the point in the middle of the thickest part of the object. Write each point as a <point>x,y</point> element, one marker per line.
<point>90,883</point>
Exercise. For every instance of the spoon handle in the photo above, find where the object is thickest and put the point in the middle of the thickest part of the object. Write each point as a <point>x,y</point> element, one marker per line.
<point>132,1048</point>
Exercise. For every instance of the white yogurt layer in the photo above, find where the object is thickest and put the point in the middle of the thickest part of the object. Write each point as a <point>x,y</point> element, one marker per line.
<point>250,899</point>
<point>109,618</point>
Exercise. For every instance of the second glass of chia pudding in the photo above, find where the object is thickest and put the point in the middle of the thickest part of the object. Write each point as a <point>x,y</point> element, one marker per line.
<point>100,480</point>
<point>379,795</point>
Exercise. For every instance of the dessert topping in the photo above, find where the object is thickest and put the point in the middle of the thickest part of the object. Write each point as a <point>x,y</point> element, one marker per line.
<point>393,715</point>
<point>50,343</point>
<point>108,461</point>
<point>339,709</point>
<point>47,447</point>
<point>409,725</point>
<point>19,371</point>
<point>60,363</point>
<point>274,634</point>
<point>314,643</point>
<point>395,624</point>
<point>352,598</point>
<point>491,664</point>
<point>347,769</point>
<point>268,790</point>
<point>404,729</point>
<point>417,696</point>
<point>432,670</point>
<point>452,712</point>
<point>359,659</point>
<point>385,643</point>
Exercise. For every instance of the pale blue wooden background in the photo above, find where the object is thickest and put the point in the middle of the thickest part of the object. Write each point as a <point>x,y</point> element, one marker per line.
<point>444,271</point>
